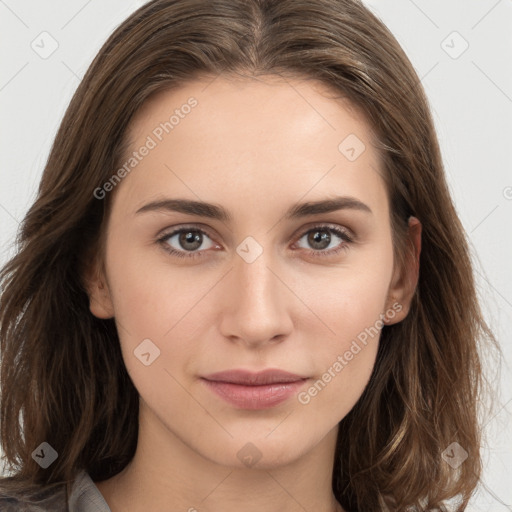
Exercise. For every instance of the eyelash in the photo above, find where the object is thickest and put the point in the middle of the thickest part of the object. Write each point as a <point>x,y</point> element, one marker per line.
<point>347,239</point>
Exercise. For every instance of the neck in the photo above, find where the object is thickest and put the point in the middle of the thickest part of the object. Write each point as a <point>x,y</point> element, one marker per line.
<point>166,474</point>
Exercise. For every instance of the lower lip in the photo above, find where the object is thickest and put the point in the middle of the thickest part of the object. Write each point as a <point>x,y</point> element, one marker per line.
<point>255,397</point>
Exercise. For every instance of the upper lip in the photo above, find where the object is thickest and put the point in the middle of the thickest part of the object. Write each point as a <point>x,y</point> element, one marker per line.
<point>270,376</point>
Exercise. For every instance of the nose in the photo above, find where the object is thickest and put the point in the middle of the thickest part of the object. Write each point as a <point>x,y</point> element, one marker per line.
<point>256,303</point>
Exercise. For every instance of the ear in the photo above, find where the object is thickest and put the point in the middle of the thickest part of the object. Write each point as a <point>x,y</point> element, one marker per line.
<point>100,301</point>
<point>405,277</point>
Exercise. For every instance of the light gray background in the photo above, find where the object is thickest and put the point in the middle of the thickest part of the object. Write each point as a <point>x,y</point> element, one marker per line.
<point>470,95</point>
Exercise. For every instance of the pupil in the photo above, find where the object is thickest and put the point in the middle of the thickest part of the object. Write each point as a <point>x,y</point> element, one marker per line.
<point>190,237</point>
<point>320,237</point>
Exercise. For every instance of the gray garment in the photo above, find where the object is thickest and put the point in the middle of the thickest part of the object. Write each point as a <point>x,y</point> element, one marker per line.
<point>85,497</point>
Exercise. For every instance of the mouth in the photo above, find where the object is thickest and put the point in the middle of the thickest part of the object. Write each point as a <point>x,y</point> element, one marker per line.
<point>248,390</point>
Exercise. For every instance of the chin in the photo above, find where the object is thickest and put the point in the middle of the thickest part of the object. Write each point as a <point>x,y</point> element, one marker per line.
<point>259,453</point>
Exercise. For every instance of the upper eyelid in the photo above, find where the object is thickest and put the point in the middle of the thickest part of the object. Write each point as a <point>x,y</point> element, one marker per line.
<point>166,233</point>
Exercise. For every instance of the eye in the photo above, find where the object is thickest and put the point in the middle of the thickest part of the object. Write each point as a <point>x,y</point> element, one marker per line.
<point>321,238</point>
<point>186,242</point>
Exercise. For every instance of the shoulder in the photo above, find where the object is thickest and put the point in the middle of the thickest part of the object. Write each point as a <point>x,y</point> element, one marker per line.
<point>9,504</point>
<point>54,502</point>
<point>32,500</point>
<point>85,497</point>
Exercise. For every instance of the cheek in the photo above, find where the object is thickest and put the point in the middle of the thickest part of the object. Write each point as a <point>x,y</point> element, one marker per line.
<point>344,361</point>
<point>149,299</point>
<point>156,312</point>
<point>351,306</point>
<point>350,298</point>
<point>167,305</point>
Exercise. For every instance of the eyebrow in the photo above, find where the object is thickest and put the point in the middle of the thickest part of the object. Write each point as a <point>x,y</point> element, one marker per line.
<point>217,212</point>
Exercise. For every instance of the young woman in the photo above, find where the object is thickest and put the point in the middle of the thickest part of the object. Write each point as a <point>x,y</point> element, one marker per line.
<point>243,284</point>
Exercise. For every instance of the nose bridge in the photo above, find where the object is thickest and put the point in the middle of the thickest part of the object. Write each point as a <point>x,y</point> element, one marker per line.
<point>255,283</point>
<point>254,307</point>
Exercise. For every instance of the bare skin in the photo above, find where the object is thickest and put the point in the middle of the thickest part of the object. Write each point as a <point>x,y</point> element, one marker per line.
<point>254,147</point>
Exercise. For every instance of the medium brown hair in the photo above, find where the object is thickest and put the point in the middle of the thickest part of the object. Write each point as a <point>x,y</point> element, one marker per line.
<point>63,378</point>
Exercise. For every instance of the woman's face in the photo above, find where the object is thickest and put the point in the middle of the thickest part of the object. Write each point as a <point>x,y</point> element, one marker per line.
<point>261,279</point>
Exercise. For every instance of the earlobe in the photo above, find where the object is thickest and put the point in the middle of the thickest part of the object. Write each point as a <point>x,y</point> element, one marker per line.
<point>405,279</point>
<point>100,301</point>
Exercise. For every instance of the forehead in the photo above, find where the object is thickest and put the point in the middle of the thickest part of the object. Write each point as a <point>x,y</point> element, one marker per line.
<point>228,104</point>
<point>260,138</point>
